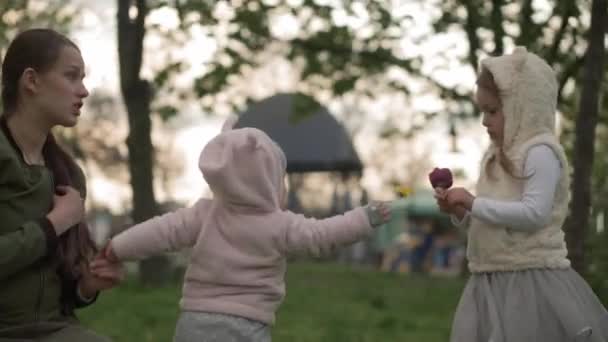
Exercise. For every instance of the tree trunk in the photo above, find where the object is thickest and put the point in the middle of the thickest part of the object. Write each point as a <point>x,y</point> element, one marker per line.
<point>137,97</point>
<point>576,225</point>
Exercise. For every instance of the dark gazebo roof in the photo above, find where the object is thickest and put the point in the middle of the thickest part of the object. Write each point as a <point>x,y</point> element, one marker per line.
<point>314,143</point>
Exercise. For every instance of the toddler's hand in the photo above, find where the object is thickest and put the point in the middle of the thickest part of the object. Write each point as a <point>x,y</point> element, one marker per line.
<point>378,213</point>
<point>102,274</point>
<point>107,252</point>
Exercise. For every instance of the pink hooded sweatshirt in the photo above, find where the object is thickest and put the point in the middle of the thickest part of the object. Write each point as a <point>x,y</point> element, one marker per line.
<point>242,236</point>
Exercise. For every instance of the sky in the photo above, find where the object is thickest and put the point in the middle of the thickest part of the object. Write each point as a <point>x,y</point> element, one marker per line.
<point>96,37</point>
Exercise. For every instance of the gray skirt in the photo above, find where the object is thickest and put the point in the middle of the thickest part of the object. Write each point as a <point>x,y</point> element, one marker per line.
<point>214,327</point>
<point>553,305</point>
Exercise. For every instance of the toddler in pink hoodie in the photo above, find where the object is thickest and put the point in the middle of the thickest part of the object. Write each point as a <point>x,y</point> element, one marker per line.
<point>240,239</point>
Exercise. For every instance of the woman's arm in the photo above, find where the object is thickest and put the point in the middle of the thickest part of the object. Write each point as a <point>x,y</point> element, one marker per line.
<point>26,245</point>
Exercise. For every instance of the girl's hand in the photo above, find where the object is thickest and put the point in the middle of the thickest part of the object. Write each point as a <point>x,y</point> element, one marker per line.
<point>459,197</point>
<point>442,202</point>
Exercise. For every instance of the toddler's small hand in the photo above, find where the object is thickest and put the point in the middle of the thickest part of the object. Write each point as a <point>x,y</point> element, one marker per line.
<point>385,211</point>
<point>107,253</point>
<point>379,213</point>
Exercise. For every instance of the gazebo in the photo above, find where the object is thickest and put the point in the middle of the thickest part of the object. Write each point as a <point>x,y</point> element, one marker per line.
<point>314,143</point>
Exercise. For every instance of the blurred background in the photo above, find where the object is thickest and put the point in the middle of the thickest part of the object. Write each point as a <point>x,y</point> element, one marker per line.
<point>363,96</point>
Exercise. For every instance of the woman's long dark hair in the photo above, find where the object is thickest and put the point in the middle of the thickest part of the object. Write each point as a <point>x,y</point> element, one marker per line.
<point>39,49</point>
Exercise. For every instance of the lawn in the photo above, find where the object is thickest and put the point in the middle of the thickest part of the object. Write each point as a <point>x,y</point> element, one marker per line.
<point>325,302</point>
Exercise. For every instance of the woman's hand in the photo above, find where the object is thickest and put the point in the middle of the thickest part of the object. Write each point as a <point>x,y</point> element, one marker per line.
<point>68,209</point>
<point>102,274</point>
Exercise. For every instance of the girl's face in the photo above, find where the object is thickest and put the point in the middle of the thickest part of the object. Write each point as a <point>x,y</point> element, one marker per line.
<point>493,118</point>
<point>59,91</point>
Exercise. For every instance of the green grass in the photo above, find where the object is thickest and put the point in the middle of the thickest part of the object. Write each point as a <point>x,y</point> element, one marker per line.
<point>325,302</point>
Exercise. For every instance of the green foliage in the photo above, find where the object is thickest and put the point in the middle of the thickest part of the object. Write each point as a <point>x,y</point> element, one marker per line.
<point>164,74</point>
<point>338,58</point>
<point>335,57</point>
<point>166,112</point>
<point>304,106</point>
<point>18,15</point>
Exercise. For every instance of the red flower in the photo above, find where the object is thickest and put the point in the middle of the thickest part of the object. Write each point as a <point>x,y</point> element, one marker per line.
<point>441,178</point>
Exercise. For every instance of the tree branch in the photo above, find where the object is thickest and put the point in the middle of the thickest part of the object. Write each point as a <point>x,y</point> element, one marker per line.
<point>473,22</point>
<point>571,70</point>
<point>130,40</point>
<point>559,35</point>
<point>526,24</point>
<point>497,28</point>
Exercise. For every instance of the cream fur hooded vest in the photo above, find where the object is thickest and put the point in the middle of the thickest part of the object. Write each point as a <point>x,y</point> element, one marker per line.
<point>528,90</point>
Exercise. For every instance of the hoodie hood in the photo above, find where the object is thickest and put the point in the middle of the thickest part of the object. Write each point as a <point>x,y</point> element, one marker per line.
<point>528,91</point>
<point>245,169</point>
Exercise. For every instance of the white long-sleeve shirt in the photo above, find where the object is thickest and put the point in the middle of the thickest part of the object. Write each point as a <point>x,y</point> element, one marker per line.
<point>533,211</point>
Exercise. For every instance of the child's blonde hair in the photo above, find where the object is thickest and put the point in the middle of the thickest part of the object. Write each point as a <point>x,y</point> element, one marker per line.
<point>486,81</point>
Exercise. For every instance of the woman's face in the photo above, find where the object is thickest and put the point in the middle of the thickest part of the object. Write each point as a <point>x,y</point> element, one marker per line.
<point>493,119</point>
<point>60,90</point>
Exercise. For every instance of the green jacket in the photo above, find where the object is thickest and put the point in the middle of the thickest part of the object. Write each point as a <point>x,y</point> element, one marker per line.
<point>30,286</point>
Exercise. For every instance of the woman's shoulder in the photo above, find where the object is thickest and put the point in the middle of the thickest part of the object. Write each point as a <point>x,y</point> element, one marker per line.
<point>5,145</point>
<point>8,155</point>
<point>11,168</point>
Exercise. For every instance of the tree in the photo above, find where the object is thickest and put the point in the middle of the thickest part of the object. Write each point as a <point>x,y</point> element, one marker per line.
<point>596,256</point>
<point>137,96</point>
<point>586,121</point>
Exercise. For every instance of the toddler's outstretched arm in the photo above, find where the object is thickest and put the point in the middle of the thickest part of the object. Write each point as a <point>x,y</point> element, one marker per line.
<point>318,237</point>
<point>169,232</point>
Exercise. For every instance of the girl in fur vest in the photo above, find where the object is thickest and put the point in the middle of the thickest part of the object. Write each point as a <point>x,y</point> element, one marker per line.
<point>522,287</point>
<point>241,239</point>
